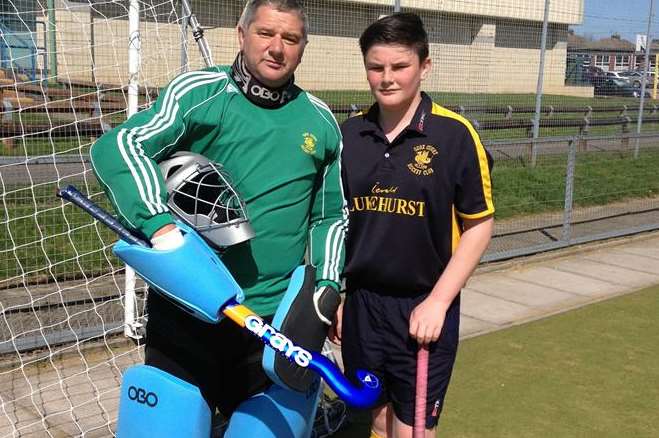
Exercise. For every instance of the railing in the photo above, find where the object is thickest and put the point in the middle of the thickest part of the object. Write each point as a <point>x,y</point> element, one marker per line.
<point>71,100</point>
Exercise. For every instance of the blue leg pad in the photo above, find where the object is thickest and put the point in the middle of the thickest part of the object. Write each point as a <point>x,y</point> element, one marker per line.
<point>276,413</point>
<point>154,403</point>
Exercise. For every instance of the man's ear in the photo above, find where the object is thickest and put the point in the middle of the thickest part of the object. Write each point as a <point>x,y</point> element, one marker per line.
<point>241,36</point>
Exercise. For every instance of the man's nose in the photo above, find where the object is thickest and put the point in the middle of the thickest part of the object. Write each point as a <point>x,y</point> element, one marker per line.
<point>276,47</point>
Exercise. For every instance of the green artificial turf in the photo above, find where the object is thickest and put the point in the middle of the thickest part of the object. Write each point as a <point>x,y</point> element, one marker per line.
<point>590,372</point>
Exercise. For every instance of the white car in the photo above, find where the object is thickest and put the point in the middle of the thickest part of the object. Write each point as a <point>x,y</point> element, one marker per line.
<point>617,75</point>
<point>635,77</point>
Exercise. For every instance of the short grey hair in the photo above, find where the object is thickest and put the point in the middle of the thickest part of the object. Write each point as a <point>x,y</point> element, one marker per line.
<point>251,6</point>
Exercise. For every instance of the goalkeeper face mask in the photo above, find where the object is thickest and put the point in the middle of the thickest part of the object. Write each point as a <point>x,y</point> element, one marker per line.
<point>200,194</point>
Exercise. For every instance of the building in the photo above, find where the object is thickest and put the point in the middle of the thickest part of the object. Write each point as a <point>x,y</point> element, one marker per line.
<point>477,46</point>
<point>609,54</point>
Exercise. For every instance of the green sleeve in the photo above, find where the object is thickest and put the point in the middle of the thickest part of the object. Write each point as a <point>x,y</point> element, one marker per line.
<point>125,158</point>
<point>329,220</point>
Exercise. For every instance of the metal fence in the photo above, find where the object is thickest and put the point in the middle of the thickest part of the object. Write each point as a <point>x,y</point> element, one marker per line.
<point>586,189</point>
<point>570,166</point>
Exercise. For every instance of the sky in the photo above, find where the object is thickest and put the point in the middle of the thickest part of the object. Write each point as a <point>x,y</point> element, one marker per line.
<point>626,17</point>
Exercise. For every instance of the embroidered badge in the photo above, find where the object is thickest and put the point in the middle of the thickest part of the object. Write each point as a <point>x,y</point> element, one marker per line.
<point>423,155</point>
<point>309,144</point>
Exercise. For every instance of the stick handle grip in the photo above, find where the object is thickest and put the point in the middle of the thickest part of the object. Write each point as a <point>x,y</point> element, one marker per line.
<point>70,193</point>
<point>420,400</point>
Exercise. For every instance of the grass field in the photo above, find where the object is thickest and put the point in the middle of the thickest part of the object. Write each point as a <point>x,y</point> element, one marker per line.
<point>600,178</point>
<point>590,372</point>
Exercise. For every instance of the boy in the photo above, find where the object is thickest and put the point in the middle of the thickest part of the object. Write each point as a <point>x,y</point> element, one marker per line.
<point>417,180</point>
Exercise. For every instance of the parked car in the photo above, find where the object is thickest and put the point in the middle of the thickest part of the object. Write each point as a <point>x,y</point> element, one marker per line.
<point>616,87</point>
<point>592,73</point>
<point>635,77</point>
<point>617,75</point>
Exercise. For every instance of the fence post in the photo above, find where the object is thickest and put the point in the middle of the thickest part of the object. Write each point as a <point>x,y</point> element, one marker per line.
<point>396,5</point>
<point>541,75</point>
<point>624,140</point>
<point>644,80</point>
<point>583,135</point>
<point>569,191</point>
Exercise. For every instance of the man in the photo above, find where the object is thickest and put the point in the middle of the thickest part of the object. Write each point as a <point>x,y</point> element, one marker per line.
<point>421,216</point>
<point>281,146</point>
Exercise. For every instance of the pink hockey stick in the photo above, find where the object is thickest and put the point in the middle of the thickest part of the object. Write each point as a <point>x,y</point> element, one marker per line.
<point>421,392</point>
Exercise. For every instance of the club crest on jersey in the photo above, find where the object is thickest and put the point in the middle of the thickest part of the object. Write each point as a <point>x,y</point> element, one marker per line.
<point>309,144</point>
<point>423,155</point>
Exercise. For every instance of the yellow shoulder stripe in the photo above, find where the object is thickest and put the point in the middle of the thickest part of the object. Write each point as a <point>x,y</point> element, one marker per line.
<point>486,181</point>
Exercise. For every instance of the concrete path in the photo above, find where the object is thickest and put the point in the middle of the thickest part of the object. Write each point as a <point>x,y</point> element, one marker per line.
<point>511,293</point>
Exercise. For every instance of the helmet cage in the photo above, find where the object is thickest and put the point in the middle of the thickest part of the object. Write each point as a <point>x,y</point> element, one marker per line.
<point>201,195</point>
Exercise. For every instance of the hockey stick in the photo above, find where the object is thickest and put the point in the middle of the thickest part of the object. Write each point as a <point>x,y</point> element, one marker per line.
<point>362,396</point>
<point>421,392</point>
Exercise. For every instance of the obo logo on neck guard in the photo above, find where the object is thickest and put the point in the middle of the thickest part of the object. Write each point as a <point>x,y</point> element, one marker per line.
<point>264,93</point>
<point>278,341</point>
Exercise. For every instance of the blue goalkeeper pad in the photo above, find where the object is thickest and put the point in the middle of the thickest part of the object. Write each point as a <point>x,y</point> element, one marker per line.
<point>276,413</point>
<point>191,275</point>
<point>154,403</point>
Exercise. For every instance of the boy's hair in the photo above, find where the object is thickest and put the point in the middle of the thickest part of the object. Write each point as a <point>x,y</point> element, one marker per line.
<point>401,28</point>
<point>251,6</point>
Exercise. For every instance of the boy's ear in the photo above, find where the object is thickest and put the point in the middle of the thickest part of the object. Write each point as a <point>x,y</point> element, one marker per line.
<point>426,66</point>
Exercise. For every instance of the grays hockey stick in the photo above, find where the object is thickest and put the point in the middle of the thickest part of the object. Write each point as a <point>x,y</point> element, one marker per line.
<point>361,396</point>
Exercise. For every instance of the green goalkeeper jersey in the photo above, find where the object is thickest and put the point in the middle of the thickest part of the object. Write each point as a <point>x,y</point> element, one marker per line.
<point>284,162</point>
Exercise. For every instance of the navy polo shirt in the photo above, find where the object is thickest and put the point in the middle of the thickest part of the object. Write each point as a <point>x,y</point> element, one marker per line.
<point>407,197</point>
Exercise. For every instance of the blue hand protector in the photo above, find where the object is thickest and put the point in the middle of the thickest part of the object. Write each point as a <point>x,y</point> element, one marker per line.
<point>298,320</point>
<point>191,275</point>
<point>154,403</point>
